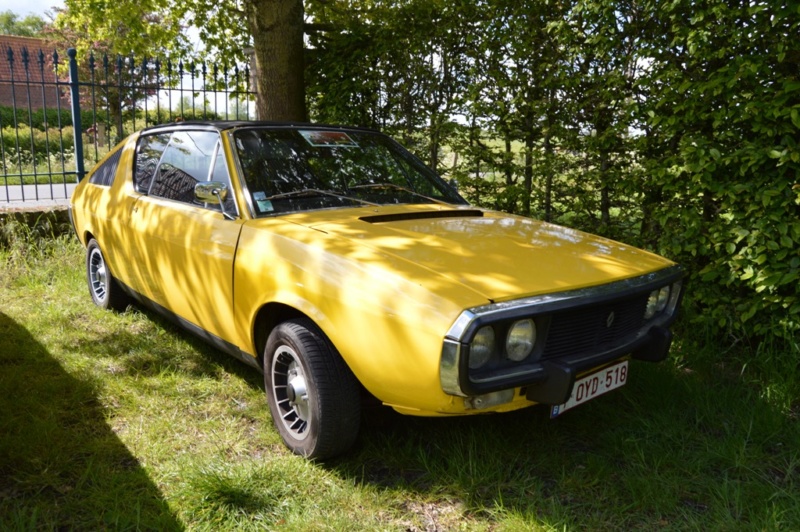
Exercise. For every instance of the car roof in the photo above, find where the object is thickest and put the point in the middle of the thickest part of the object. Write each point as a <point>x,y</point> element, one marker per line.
<point>222,125</point>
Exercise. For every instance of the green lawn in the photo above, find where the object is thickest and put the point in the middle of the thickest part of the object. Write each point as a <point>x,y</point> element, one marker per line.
<point>121,421</point>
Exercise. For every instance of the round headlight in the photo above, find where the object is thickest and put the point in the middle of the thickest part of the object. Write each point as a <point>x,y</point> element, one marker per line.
<point>652,301</point>
<point>520,339</point>
<point>656,302</point>
<point>482,347</point>
<point>663,299</point>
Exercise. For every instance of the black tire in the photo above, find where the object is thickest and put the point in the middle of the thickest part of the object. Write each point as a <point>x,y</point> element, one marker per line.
<point>104,289</point>
<point>313,396</point>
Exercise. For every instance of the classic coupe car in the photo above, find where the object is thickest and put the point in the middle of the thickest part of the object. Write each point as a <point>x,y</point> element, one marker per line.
<point>337,264</point>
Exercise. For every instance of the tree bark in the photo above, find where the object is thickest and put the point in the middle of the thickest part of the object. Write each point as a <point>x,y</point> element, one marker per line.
<point>548,183</point>
<point>277,30</point>
<point>605,194</point>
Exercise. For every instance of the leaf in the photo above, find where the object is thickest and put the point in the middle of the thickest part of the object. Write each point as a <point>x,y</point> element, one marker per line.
<point>790,277</point>
<point>795,114</point>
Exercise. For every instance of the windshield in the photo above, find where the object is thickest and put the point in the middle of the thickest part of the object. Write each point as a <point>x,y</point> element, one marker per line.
<point>290,170</point>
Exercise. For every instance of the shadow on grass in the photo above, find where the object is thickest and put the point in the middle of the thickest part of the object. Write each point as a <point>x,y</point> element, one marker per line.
<point>61,465</point>
<point>672,449</point>
<point>159,357</point>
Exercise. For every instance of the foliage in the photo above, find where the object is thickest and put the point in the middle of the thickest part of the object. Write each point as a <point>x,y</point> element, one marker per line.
<point>21,145</point>
<point>405,66</point>
<point>722,116</point>
<point>125,27</point>
<point>616,117</point>
<point>222,27</point>
<point>13,24</point>
<point>40,118</point>
<point>272,30</point>
<point>114,41</point>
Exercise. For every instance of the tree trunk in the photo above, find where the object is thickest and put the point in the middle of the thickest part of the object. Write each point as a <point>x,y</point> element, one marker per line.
<point>529,145</point>
<point>277,30</point>
<point>548,184</point>
<point>434,147</point>
<point>605,195</point>
<point>507,161</point>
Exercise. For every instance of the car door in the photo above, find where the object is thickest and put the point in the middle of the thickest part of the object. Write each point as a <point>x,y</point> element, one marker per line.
<point>185,249</point>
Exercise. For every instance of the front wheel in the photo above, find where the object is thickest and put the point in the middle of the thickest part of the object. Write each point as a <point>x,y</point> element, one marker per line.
<point>105,290</point>
<point>313,396</point>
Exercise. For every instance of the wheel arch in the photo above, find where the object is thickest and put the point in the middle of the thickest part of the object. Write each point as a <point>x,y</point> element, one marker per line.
<point>87,237</point>
<point>271,314</point>
<point>267,318</point>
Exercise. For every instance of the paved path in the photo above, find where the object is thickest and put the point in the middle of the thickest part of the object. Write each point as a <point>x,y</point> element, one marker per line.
<point>34,197</point>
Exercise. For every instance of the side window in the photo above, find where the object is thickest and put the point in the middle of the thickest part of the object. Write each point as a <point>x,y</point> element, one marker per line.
<point>148,154</point>
<point>185,162</point>
<point>220,171</point>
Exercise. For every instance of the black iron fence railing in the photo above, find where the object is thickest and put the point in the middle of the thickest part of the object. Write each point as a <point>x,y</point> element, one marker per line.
<point>60,116</point>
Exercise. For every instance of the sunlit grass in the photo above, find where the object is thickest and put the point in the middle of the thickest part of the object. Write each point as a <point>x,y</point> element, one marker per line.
<point>122,421</point>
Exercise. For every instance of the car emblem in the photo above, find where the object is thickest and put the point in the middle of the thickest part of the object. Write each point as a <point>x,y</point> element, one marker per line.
<point>610,320</point>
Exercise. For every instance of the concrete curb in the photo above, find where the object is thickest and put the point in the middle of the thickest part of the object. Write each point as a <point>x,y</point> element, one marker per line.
<point>44,219</point>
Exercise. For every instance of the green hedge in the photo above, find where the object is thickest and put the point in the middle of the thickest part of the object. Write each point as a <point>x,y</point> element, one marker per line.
<point>36,119</point>
<point>23,144</point>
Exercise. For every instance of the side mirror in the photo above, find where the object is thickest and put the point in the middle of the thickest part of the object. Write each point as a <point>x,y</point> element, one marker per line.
<point>214,192</point>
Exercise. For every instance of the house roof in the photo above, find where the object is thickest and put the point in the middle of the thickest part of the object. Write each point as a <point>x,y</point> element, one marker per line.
<point>39,59</point>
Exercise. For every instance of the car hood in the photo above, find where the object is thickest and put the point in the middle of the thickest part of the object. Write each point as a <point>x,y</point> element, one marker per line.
<point>495,255</point>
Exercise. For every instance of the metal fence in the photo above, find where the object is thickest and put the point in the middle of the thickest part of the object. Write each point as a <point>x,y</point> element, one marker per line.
<point>58,116</point>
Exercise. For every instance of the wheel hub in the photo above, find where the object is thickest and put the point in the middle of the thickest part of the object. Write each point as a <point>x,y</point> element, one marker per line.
<point>290,390</point>
<point>98,275</point>
<point>298,395</point>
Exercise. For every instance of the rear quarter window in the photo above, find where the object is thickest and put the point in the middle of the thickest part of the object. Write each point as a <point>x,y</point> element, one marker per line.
<point>104,174</point>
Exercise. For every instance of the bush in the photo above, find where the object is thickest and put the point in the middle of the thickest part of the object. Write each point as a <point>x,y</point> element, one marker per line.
<point>41,119</point>
<point>24,145</point>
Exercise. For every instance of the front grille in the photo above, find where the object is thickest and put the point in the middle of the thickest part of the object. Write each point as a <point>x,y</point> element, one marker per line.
<point>595,328</point>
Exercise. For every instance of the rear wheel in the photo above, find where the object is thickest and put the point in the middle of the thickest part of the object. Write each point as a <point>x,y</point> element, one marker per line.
<point>105,290</point>
<point>313,396</point>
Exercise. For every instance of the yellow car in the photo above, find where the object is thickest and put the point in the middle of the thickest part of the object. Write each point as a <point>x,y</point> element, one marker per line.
<point>336,263</point>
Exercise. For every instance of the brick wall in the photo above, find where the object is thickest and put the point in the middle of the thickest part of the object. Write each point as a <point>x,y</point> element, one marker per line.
<point>33,84</point>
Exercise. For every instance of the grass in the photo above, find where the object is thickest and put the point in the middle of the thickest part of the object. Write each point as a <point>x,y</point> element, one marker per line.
<point>121,421</point>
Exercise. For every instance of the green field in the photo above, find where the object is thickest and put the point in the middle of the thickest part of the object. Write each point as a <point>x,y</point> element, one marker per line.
<point>121,421</point>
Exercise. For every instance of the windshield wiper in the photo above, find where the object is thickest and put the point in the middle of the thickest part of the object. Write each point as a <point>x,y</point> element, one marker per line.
<point>395,187</point>
<point>318,192</point>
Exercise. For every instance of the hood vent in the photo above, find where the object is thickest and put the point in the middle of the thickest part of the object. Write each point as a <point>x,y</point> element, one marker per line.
<point>404,216</point>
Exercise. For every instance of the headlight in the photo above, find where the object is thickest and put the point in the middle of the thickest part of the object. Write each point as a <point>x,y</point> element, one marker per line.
<point>657,302</point>
<point>663,299</point>
<point>674,295</point>
<point>482,347</point>
<point>520,339</point>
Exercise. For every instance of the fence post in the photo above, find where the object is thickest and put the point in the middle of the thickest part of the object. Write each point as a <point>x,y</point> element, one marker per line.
<point>75,98</point>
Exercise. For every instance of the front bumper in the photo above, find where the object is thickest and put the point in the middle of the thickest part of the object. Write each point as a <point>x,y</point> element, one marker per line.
<point>558,376</point>
<point>581,333</point>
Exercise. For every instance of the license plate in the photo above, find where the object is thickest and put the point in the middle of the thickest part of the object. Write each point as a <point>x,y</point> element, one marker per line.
<point>594,385</point>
